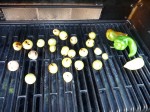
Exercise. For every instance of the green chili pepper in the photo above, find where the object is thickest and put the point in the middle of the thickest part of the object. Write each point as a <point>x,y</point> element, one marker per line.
<point>112,35</point>
<point>121,42</point>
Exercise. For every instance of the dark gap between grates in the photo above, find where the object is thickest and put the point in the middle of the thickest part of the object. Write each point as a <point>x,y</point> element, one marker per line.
<point>113,88</point>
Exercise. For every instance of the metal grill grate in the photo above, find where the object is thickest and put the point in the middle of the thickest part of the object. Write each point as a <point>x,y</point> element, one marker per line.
<point>111,89</point>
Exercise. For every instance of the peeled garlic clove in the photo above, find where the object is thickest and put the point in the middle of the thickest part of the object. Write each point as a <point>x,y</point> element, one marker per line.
<point>97,64</point>
<point>79,65</point>
<point>52,42</point>
<point>64,50</point>
<point>97,51</point>
<point>13,65</point>
<point>67,76</point>
<point>53,68</point>
<point>56,32</point>
<point>30,78</point>
<point>63,35</point>
<point>52,48</point>
<point>105,56</point>
<point>71,53</point>
<point>92,35</point>
<point>135,64</point>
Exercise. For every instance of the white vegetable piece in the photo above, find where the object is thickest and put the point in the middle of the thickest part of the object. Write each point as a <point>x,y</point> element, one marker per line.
<point>83,52</point>
<point>53,68</point>
<point>17,46</point>
<point>30,78</point>
<point>67,76</point>
<point>90,43</point>
<point>97,65</point>
<point>105,56</point>
<point>92,35</point>
<point>33,55</point>
<point>66,62</point>
<point>52,42</point>
<point>71,53</point>
<point>27,44</point>
<point>52,48</point>
<point>56,32</point>
<point>79,65</point>
<point>73,40</point>
<point>40,43</point>
<point>63,35</point>
<point>135,64</point>
<point>97,51</point>
<point>64,50</point>
<point>13,65</point>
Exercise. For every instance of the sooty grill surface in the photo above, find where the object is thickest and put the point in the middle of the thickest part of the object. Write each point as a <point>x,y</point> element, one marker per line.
<point>113,88</point>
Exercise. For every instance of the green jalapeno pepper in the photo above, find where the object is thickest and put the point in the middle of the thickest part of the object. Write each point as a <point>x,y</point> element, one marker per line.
<point>121,42</point>
<point>112,35</point>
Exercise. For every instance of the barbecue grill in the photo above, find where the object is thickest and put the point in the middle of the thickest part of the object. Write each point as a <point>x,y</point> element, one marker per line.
<point>111,89</point>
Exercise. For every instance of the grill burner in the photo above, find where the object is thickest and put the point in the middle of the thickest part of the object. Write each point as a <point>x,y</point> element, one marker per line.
<point>113,88</point>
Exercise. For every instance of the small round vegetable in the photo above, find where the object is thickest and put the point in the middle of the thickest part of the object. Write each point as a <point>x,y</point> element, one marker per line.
<point>90,43</point>
<point>13,65</point>
<point>83,52</point>
<point>79,65</point>
<point>17,46</point>
<point>63,35</point>
<point>52,42</point>
<point>97,51</point>
<point>56,32</point>
<point>73,40</point>
<point>53,68</point>
<point>40,43</point>
<point>27,44</point>
<point>33,55</point>
<point>105,56</point>
<point>71,53</point>
<point>67,76</point>
<point>65,50</point>
<point>30,78</point>
<point>66,62</point>
<point>52,48</point>
<point>92,35</point>
<point>97,64</point>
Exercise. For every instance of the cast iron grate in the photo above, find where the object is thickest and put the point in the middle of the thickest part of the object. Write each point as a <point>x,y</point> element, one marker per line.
<point>111,89</point>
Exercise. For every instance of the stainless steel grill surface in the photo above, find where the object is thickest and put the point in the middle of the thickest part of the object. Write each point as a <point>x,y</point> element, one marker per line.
<point>113,88</point>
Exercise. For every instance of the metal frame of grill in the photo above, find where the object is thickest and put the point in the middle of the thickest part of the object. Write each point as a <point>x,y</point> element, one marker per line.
<point>111,89</point>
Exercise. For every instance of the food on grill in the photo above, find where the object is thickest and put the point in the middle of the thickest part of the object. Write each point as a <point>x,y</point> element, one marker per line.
<point>83,52</point>
<point>33,55</point>
<point>56,32</point>
<point>40,43</point>
<point>63,35</point>
<point>27,44</point>
<point>135,64</point>
<point>90,43</point>
<point>121,43</point>
<point>52,42</point>
<point>79,65</point>
<point>64,50</point>
<point>73,40</point>
<point>13,65</point>
<point>71,53</point>
<point>67,76</point>
<point>105,56</point>
<point>97,51</point>
<point>92,35</point>
<point>17,46</point>
<point>66,62</point>
<point>52,48</point>
<point>112,35</point>
<point>53,68</point>
<point>30,78</point>
<point>97,64</point>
